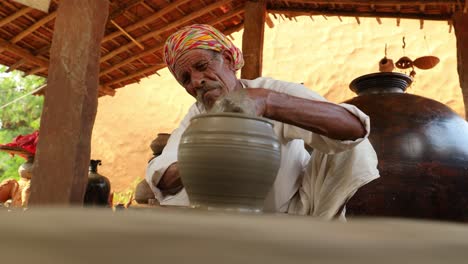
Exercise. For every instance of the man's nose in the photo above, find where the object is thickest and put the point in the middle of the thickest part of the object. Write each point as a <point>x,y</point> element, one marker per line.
<point>198,81</point>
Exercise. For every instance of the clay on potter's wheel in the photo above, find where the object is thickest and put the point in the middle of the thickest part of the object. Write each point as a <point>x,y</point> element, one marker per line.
<point>229,160</point>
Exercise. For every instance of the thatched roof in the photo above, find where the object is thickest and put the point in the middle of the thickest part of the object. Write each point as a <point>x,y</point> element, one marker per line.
<point>136,29</point>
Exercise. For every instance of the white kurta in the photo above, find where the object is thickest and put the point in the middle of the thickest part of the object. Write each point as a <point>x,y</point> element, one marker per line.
<point>315,185</point>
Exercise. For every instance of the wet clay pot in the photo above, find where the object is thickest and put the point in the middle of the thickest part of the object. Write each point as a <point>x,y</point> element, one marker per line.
<point>229,160</point>
<point>422,147</point>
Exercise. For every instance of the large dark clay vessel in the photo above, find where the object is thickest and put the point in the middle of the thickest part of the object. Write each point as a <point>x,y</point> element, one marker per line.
<point>422,147</point>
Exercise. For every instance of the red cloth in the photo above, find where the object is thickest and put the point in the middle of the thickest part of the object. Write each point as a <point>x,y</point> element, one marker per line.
<point>25,142</point>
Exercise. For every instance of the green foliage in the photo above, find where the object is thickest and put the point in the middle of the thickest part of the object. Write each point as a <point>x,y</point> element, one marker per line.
<point>19,118</point>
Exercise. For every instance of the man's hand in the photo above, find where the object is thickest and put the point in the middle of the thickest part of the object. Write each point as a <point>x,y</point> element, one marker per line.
<point>248,101</point>
<point>170,183</point>
<point>259,97</point>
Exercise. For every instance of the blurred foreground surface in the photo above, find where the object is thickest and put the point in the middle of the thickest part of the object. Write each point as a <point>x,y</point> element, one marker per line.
<point>162,235</point>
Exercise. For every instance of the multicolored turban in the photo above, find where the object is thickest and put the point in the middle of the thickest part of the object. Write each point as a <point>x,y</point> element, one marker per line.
<point>199,36</point>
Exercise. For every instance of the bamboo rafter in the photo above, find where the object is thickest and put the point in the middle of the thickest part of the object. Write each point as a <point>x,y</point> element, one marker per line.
<point>123,8</point>
<point>103,90</point>
<point>23,53</point>
<point>34,27</point>
<point>177,23</point>
<point>14,16</point>
<point>146,20</point>
<point>158,67</point>
<point>159,46</point>
<point>119,11</point>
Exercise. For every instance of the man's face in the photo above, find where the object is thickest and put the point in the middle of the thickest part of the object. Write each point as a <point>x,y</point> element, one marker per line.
<point>206,75</point>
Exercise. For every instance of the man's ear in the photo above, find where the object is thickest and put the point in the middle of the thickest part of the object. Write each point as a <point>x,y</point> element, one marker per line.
<point>228,59</point>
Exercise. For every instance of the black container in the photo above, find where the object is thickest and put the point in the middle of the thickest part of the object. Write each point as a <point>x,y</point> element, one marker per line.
<point>98,188</point>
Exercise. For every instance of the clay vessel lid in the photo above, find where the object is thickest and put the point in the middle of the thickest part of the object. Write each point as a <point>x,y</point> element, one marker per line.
<point>381,81</point>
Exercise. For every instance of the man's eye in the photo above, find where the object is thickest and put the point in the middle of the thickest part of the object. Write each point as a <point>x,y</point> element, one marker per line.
<point>202,66</point>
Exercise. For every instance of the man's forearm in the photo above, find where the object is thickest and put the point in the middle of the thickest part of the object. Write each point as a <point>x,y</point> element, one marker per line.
<point>328,119</point>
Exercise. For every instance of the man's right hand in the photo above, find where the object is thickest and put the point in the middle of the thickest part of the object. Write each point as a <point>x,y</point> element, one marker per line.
<point>170,183</point>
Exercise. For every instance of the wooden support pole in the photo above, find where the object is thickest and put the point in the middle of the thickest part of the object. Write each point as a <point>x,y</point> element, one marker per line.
<point>63,152</point>
<point>252,39</point>
<point>460,24</point>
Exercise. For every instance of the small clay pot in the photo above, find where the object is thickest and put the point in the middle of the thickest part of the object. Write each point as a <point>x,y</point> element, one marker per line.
<point>25,169</point>
<point>229,160</point>
<point>143,192</point>
<point>386,65</point>
<point>158,144</point>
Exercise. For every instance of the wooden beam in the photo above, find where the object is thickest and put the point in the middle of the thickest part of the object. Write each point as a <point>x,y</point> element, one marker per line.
<point>147,20</point>
<point>36,70</point>
<point>252,39</point>
<point>34,27</point>
<point>159,47</point>
<point>15,15</point>
<point>103,90</point>
<point>269,22</point>
<point>63,152</point>
<point>309,12</point>
<point>376,2</point>
<point>23,53</point>
<point>179,22</point>
<point>460,24</point>
<point>113,15</point>
<point>136,74</point>
<point>106,90</point>
<point>16,65</point>
<point>123,8</point>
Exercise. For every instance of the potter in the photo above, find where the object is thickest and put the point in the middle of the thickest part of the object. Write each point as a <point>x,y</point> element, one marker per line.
<point>204,62</point>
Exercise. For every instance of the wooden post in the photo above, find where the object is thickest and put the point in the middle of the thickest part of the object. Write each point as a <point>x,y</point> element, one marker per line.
<point>252,39</point>
<point>63,151</point>
<point>460,24</point>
